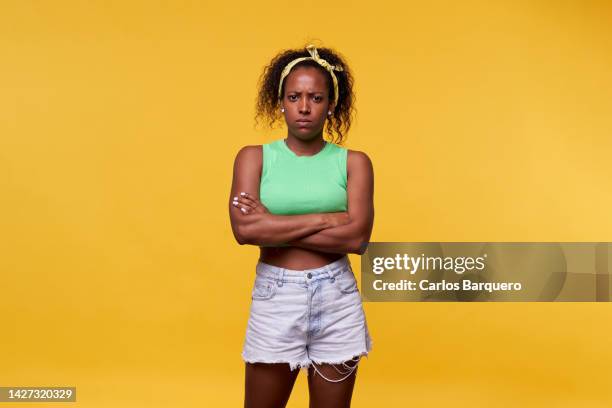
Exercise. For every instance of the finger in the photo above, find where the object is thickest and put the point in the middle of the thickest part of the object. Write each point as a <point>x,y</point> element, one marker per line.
<point>248,196</point>
<point>241,207</point>
<point>251,202</point>
<point>249,199</point>
<point>242,202</point>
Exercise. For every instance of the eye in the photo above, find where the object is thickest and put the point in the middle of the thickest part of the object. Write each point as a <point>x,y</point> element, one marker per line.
<point>291,97</point>
<point>318,98</point>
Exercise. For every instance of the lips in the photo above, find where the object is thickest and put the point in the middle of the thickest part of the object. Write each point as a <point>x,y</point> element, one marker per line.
<point>303,123</point>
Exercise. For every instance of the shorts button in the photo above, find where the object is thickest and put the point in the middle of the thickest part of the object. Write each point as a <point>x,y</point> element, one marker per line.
<point>309,275</point>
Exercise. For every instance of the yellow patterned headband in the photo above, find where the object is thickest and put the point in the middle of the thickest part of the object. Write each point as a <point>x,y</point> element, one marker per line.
<point>314,55</point>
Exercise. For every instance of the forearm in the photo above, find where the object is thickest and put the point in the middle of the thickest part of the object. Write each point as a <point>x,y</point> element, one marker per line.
<point>349,238</point>
<point>270,229</point>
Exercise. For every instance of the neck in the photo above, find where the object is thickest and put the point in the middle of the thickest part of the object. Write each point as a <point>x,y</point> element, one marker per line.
<point>305,147</point>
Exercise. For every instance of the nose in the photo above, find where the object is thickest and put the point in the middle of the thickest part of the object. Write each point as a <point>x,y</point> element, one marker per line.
<point>304,106</point>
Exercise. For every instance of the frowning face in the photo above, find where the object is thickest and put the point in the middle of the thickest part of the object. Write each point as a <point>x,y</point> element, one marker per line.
<point>306,102</point>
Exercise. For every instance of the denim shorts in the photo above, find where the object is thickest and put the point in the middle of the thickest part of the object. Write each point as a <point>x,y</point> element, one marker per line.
<point>304,316</point>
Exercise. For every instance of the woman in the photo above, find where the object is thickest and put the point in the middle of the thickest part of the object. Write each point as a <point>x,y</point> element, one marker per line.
<point>306,203</point>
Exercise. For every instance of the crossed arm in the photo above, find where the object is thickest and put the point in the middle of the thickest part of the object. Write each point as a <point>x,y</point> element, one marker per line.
<point>342,232</point>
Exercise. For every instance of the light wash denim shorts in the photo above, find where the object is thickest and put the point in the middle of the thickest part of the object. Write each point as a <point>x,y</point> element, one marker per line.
<point>313,315</point>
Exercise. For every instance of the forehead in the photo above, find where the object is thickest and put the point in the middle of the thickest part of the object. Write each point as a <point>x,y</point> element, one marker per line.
<point>309,78</point>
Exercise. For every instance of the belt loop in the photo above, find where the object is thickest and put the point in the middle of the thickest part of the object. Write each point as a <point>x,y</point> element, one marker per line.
<point>330,272</point>
<point>280,276</point>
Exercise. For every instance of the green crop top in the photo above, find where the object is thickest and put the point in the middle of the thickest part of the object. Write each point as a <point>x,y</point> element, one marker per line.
<point>292,184</point>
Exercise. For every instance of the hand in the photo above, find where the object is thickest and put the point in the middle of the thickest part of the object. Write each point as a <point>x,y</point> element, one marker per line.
<point>249,204</point>
<point>337,219</point>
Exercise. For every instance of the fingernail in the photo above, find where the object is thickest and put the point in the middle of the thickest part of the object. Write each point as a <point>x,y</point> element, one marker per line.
<point>235,198</point>
<point>235,202</point>
<point>243,210</point>
<point>242,194</point>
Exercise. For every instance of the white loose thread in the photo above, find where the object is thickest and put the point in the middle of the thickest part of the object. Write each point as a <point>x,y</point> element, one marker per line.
<point>344,365</point>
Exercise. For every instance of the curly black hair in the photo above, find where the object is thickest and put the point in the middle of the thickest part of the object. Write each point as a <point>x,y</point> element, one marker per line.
<point>268,104</point>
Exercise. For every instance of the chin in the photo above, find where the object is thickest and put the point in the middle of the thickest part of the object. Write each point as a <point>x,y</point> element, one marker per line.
<point>306,133</point>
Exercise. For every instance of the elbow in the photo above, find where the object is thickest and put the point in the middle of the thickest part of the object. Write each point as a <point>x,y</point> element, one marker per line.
<point>248,235</point>
<point>249,232</point>
<point>242,235</point>
<point>363,247</point>
<point>240,239</point>
<point>362,239</point>
<point>359,246</point>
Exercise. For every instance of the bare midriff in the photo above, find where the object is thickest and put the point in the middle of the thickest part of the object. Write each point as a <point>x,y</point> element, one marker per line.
<point>296,258</point>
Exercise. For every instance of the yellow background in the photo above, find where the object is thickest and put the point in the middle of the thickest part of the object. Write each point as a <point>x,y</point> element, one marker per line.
<point>119,124</point>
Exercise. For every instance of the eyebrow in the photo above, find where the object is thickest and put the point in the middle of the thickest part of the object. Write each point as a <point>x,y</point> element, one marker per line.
<point>298,92</point>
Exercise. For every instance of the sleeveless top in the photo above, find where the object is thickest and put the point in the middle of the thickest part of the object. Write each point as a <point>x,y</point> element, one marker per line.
<point>292,184</point>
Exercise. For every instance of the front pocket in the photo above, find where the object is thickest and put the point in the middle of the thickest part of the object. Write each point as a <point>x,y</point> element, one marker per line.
<point>263,289</point>
<point>346,282</point>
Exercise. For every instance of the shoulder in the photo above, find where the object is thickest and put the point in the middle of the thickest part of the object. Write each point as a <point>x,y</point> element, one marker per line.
<point>250,152</point>
<point>358,160</point>
<point>249,156</point>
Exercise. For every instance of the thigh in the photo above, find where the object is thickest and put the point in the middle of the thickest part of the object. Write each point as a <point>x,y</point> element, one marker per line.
<point>278,323</point>
<point>331,385</point>
<point>268,385</point>
<point>338,329</point>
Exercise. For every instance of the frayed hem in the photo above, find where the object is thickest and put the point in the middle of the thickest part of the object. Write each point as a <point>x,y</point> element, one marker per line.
<point>346,370</point>
<point>293,365</point>
<point>342,359</point>
<point>305,364</point>
<point>348,357</point>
